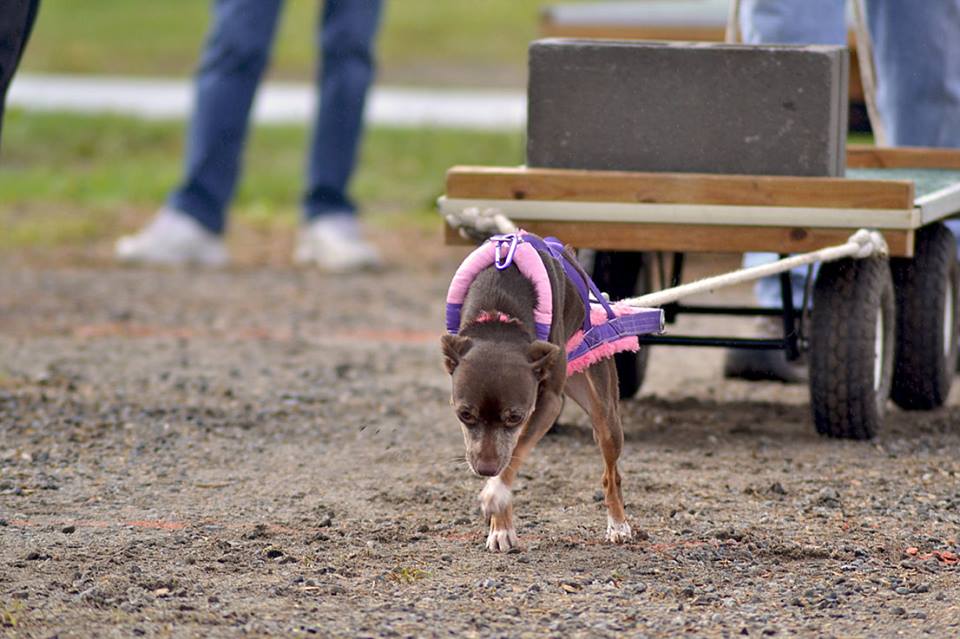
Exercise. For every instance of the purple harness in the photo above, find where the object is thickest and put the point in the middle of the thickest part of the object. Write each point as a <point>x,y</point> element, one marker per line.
<point>598,339</point>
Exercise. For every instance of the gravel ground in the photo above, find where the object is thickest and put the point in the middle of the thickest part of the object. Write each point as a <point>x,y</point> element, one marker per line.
<point>269,451</point>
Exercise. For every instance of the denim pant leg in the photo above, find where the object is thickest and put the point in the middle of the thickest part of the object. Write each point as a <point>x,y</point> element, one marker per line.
<point>16,22</point>
<point>235,56</point>
<point>347,34</point>
<point>793,22</point>
<point>917,50</point>
<point>788,22</point>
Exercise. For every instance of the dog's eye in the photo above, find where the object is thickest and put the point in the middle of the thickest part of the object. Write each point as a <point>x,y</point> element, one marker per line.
<point>466,416</point>
<point>513,419</point>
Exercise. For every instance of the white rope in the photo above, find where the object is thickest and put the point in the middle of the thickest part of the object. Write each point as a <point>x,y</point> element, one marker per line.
<point>862,244</point>
<point>484,221</point>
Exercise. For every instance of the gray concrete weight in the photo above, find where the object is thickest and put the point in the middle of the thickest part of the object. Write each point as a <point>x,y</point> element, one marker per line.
<point>687,107</point>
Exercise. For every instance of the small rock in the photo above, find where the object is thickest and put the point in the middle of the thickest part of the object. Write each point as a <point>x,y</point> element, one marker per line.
<point>728,533</point>
<point>318,537</point>
<point>828,497</point>
<point>67,530</point>
<point>777,488</point>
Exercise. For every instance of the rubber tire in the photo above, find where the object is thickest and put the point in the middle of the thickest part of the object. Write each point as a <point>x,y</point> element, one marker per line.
<point>922,371</point>
<point>622,274</point>
<point>847,297</point>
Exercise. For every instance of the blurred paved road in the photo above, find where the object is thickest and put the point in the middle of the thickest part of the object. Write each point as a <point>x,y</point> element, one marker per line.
<point>152,98</point>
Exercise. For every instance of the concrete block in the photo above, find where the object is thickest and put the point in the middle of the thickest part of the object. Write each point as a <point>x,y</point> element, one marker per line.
<point>687,107</point>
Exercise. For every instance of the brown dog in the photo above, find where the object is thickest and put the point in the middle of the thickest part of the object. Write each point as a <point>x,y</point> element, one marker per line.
<point>508,389</point>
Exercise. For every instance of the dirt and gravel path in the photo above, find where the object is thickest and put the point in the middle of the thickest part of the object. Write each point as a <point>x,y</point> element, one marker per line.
<point>269,451</point>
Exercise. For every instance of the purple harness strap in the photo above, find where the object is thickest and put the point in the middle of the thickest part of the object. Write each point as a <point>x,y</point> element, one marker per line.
<point>584,284</point>
<point>615,326</point>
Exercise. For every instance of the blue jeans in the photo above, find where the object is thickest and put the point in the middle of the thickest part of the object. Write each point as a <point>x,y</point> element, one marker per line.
<point>16,23</point>
<point>917,52</point>
<point>235,57</point>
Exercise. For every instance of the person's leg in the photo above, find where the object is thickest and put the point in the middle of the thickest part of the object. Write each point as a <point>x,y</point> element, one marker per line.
<point>331,237</point>
<point>781,22</point>
<point>917,53</point>
<point>347,33</point>
<point>234,59</point>
<point>917,57</point>
<point>789,22</point>
<point>16,22</point>
<point>792,22</point>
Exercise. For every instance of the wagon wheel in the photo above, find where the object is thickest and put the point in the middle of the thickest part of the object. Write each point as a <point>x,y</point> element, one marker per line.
<point>927,320</point>
<point>851,347</point>
<point>625,274</point>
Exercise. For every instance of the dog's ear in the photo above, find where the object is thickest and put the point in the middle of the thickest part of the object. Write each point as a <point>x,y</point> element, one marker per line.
<point>542,356</point>
<point>454,348</point>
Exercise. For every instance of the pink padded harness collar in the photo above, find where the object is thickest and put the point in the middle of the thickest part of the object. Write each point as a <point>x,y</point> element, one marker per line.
<point>531,266</point>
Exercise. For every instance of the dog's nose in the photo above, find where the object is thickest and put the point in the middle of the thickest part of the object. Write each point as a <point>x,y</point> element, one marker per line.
<point>487,468</point>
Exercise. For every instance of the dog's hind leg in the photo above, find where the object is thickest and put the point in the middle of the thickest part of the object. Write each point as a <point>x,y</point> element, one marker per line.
<point>595,390</point>
<point>495,498</point>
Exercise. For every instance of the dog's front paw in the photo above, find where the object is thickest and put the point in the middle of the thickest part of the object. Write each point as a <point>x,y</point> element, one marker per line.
<point>502,540</point>
<point>618,531</point>
<point>494,498</point>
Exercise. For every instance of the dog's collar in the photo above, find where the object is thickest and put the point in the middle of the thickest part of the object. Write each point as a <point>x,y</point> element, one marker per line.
<point>492,317</point>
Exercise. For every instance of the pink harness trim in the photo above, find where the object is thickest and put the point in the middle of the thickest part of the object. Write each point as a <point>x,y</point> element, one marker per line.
<point>527,260</point>
<point>598,315</point>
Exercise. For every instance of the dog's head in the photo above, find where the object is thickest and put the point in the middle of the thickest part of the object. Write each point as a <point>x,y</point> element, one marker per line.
<point>495,389</point>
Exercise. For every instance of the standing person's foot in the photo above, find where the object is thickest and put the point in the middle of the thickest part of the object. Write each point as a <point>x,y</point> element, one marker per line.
<point>172,238</point>
<point>334,243</point>
<point>764,365</point>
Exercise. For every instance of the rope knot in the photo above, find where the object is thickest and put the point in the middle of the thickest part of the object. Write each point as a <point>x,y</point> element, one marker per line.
<point>870,242</point>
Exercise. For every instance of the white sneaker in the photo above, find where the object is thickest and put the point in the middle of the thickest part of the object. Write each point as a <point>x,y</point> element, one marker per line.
<point>334,243</point>
<point>172,238</point>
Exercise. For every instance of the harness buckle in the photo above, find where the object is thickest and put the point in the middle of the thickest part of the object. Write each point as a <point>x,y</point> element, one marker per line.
<point>504,261</point>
